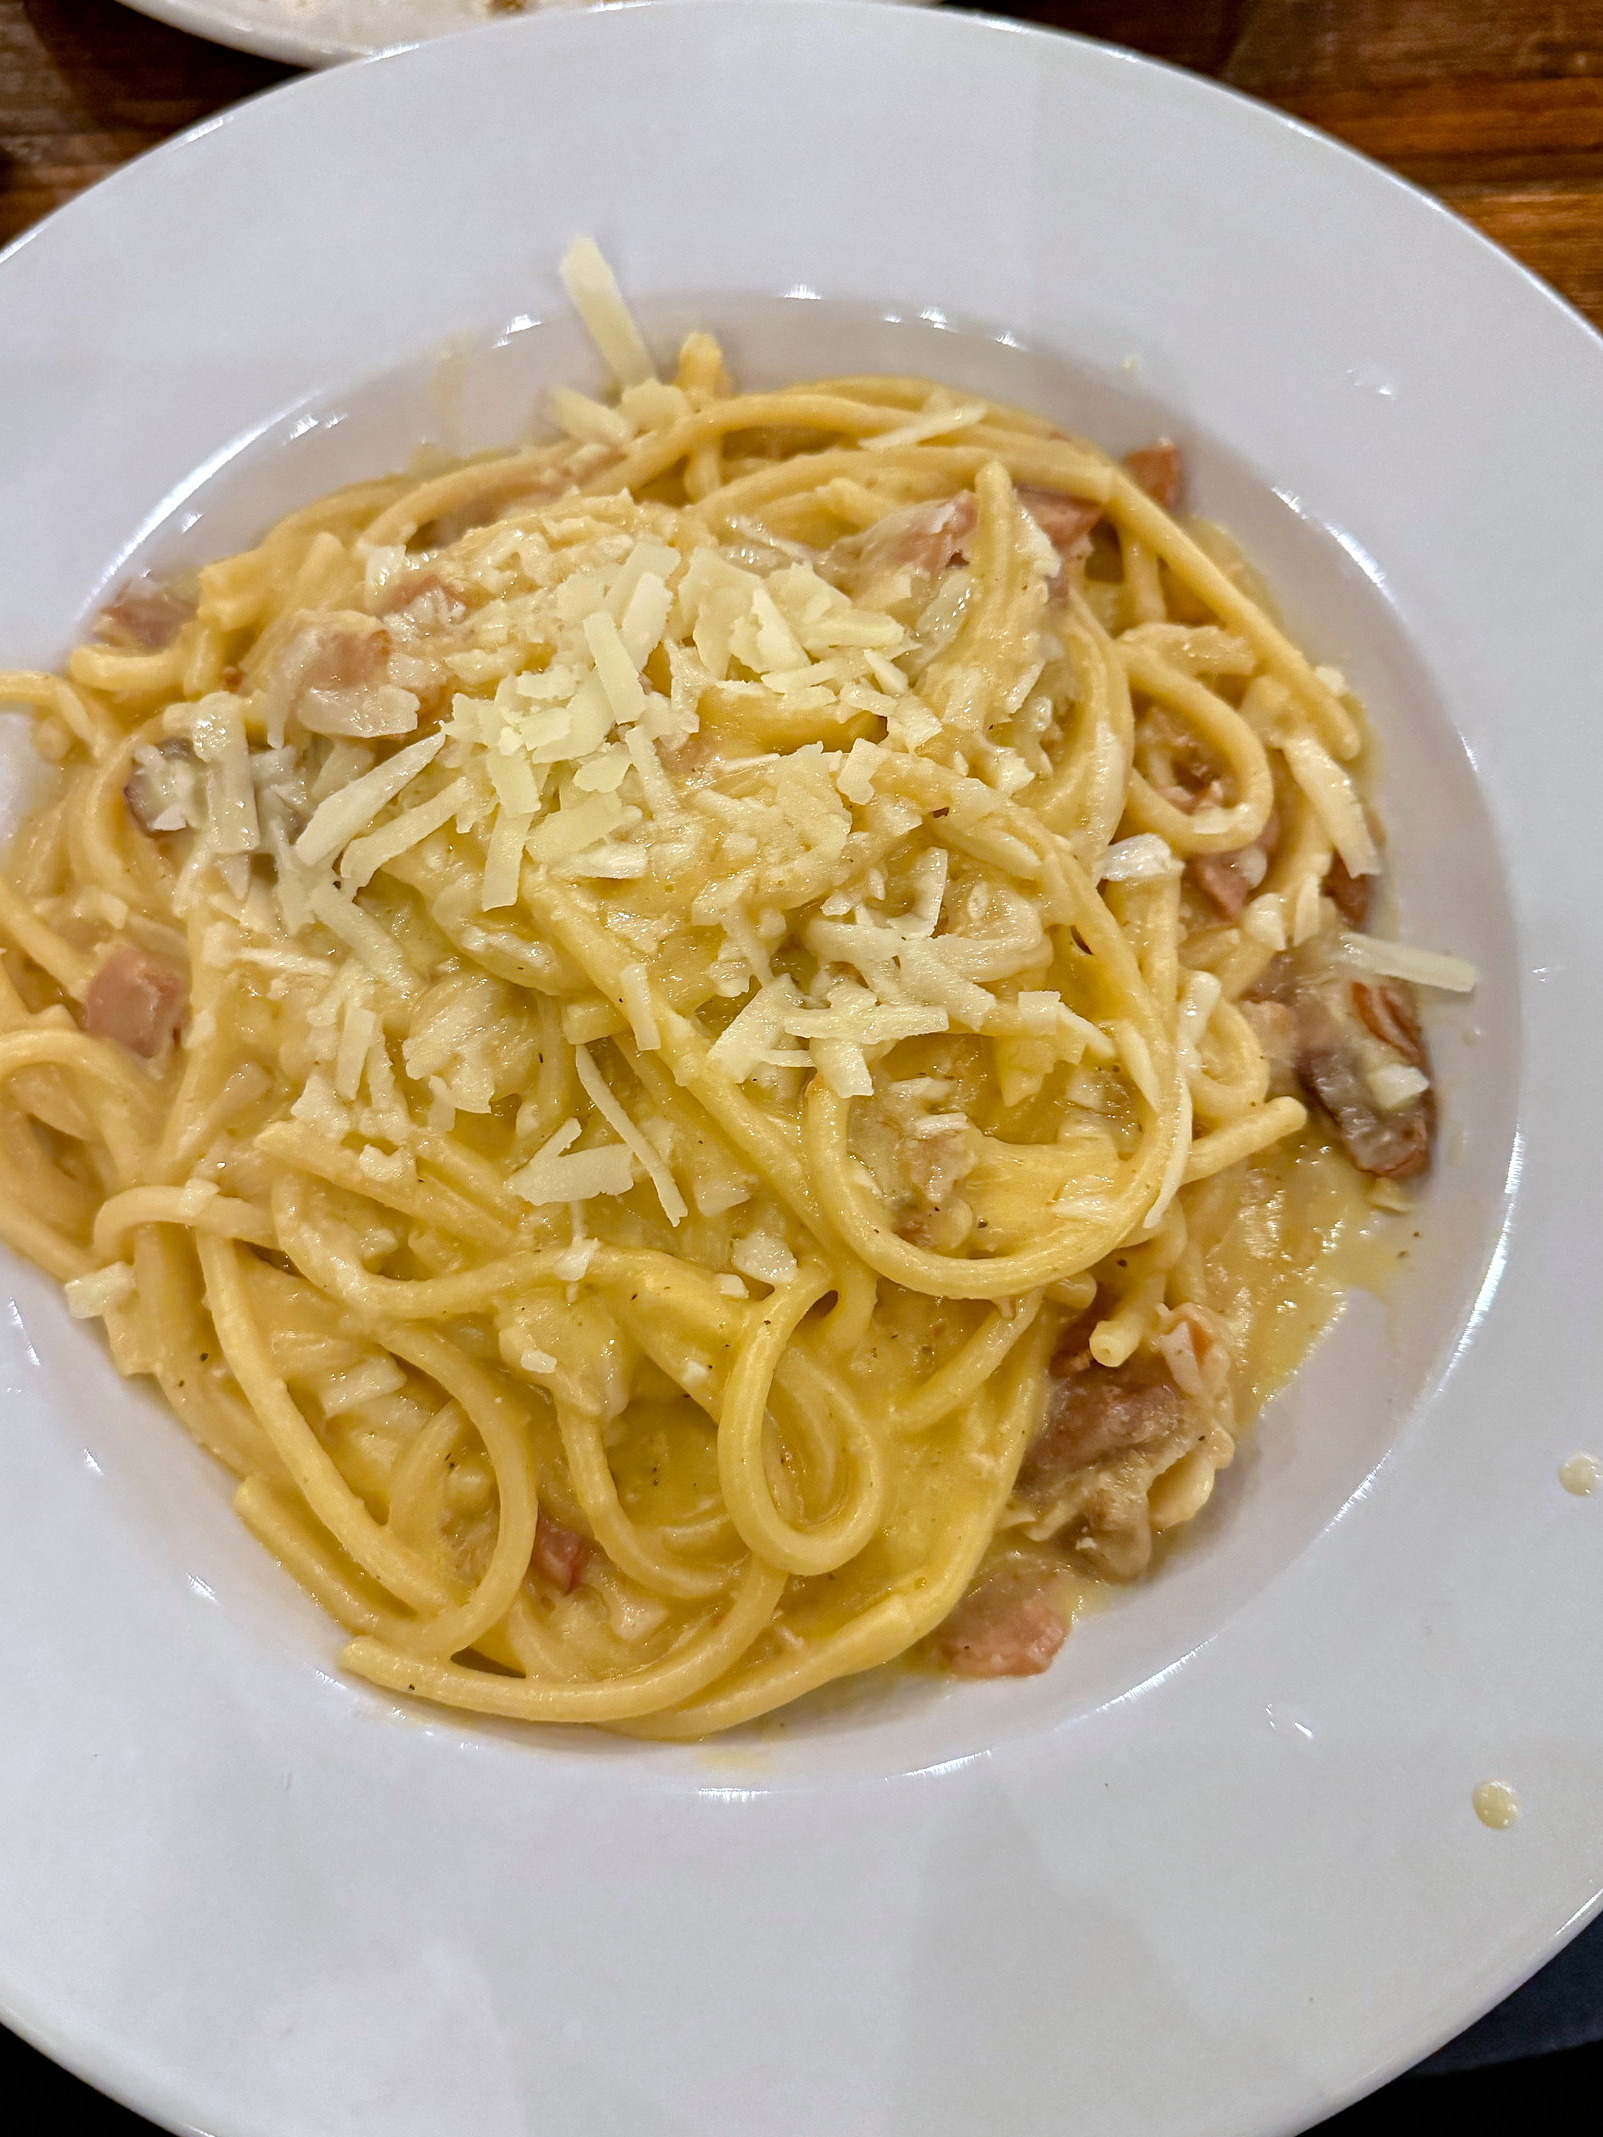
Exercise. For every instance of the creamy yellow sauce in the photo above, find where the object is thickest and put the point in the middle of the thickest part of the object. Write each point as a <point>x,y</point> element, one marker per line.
<point>1496,1805</point>
<point>1275,1249</point>
<point>1282,1244</point>
<point>1581,1475</point>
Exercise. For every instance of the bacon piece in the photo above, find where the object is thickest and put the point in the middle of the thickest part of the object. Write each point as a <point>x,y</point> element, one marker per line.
<point>1066,522</point>
<point>1391,1010</point>
<point>333,675</point>
<point>1349,894</point>
<point>924,538</point>
<point>143,616</point>
<point>1345,1029</point>
<point>163,791</point>
<point>342,652</point>
<point>1160,471</point>
<point>135,1001</point>
<point>1010,1624</point>
<point>1390,1146</point>
<point>425,602</point>
<point>1095,1411</point>
<point>560,1555</point>
<point>1228,880</point>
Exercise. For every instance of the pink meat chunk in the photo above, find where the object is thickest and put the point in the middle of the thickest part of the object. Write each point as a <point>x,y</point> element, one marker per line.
<point>1010,1624</point>
<point>135,1001</point>
<point>143,616</point>
<point>924,538</point>
<point>1228,880</point>
<point>1349,894</point>
<point>1065,521</point>
<point>424,600</point>
<point>1346,1029</point>
<point>1160,471</point>
<point>1095,1411</point>
<point>342,655</point>
<point>560,1555</point>
<point>1390,1008</point>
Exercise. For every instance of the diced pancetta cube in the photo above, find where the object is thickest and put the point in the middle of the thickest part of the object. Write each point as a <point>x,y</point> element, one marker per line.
<point>135,1001</point>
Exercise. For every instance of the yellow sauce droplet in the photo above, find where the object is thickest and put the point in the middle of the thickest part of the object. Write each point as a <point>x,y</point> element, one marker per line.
<point>1581,1474</point>
<point>1496,1805</point>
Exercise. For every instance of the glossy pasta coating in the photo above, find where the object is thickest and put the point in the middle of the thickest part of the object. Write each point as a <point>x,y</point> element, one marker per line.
<point>647,1038</point>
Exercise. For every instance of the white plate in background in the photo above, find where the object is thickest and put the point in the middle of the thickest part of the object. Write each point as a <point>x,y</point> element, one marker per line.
<point>315,33</point>
<point>1217,1871</point>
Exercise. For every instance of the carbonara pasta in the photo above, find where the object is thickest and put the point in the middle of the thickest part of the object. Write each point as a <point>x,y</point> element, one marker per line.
<point>711,1051</point>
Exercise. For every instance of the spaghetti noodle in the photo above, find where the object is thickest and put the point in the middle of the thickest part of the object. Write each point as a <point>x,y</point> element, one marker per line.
<point>692,1049</point>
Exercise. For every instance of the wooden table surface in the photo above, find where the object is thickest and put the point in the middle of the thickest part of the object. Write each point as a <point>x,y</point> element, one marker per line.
<point>1496,105</point>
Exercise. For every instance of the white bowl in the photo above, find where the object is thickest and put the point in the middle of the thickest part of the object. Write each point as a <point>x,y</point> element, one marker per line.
<point>315,33</point>
<point>1217,1871</point>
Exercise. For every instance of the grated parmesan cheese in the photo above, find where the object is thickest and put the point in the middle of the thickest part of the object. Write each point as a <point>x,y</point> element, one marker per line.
<point>551,1176</point>
<point>935,424</point>
<point>1142,859</point>
<point>95,1294</point>
<point>610,862</point>
<point>217,733</point>
<point>645,617</point>
<point>1265,920</point>
<point>747,1040</point>
<point>620,678</point>
<point>357,1033</point>
<point>573,1263</point>
<point>1306,918</point>
<point>636,993</point>
<point>597,299</point>
<point>503,859</point>
<point>364,857</point>
<point>592,422</point>
<point>1394,1084</point>
<point>1397,960</point>
<point>650,1159</point>
<point>764,1257</point>
<point>855,778</point>
<point>371,1381</point>
<point>374,945</point>
<point>319,1106</point>
<point>1136,1057</point>
<point>864,1021</point>
<point>844,1067</point>
<point>337,820</point>
<point>653,779</point>
<point>565,834</point>
<point>585,1021</point>
<point>1334,800</point>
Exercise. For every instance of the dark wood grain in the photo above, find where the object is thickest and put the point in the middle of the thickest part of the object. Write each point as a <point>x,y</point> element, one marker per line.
<point>1497,105</point>
<point>86,84</point>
